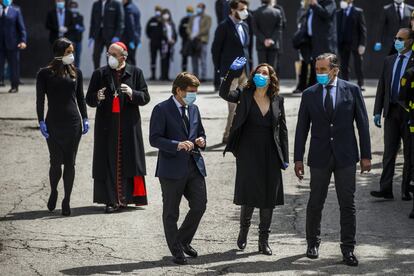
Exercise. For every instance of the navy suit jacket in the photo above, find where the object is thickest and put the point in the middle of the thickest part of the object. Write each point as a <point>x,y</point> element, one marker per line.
<point>333,136</point>
<point>12,29</point>
<point>167,129</point>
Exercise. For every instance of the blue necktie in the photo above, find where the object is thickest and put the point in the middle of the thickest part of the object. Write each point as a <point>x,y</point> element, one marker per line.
<point>396,82</point>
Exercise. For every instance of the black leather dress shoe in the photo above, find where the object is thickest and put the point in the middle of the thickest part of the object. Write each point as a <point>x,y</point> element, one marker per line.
<point>51,203</point>
<point>406,197</point>
<point>411,216</point>
<point>189,250</point>
<point>180,259</point>
<point>111,209</point>
<point>312,252</point>
<point>13,90</point>
<point>381,194</point>
<point>264,248</point>
<point>350,259</point>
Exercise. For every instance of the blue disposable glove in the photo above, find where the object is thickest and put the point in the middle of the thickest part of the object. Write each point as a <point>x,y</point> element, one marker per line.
<point>131,45</point>
<point>85,126</point>
<point>91,42</point>
<point>115,39</point>
<point>377,120</point>
<point>139,45</point>
<point>43,129</point>
<point>377,47</point>
<point>238,63</point>
<point>285,165</point>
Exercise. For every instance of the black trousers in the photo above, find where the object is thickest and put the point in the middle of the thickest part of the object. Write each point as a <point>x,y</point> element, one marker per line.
<point>396,129</point>
<point>99,44</point>
<point>193,188</point>
<point>345,190</point>
<point>268,56</point>
<point>165,63</point>
<point>155,49</point>
<point>303,82</point>
<point>345,55</point>
<point>131,59</point>
<point>13,61</point>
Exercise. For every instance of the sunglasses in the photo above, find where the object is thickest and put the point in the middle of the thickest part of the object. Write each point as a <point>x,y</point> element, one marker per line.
<point>399,38</point>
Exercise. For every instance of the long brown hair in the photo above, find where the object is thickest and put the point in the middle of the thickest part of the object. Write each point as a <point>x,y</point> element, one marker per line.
<point>273,88</point>
<point>56,65</point>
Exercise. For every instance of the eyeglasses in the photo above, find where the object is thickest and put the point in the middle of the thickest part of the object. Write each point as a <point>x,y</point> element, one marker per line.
<point>110,55</point>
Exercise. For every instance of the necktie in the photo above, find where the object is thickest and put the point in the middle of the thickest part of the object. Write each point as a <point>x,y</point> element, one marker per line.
<point>396,82</point>
<point>328,104</point>
<point>241,33</point>
<point>399,13</point>
<point>185,118</point>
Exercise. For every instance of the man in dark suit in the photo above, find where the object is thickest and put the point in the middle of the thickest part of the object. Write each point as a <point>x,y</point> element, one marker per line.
<point>155,33</point>
<point>321,29</point>
<point>185,37</point>
<point>394,17</point>
<point>396,118</point>
<point>12,40</point>
<point>232,40</point>
<point>267,26</point>
<point>352,39</point>
<point>107,26</point>
<point>331,107</point>
<point>132,31</point>
<point>222,10</point>
<point>75,35</point>
<point>280,40</point>
<point>176,130</point>
<point>59,21</point>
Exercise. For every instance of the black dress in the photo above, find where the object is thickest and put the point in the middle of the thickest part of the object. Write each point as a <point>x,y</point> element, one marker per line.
<point>258,178</point>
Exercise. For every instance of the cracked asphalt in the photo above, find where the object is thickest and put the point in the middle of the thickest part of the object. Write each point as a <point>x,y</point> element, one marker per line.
<point>34,241</point>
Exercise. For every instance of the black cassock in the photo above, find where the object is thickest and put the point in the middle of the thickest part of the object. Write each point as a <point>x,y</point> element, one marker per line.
<point>119,156</point>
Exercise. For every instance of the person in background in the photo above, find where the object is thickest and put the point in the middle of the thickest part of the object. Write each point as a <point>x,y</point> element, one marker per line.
<point>280,42</point>
<point>132,31</point>
<point>155,33</point>
<point>222,12</point>
<point>62,83</point>
<point>106,27</point>
<point>168,41</point>
<point>13,39</point>
<point>199,32</point>
<point>75,35</point>
<point>185,37</point>
<point>352,39</point>
<point>59,21</point>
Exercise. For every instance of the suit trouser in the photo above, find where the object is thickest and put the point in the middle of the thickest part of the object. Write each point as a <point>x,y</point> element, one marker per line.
<point>99,44</point>
<point>303,76</point>
<point>202,59</point>
<point>345,190</point>
<point>268,56</point>
<point>345,55</point>
<point>237,82</point>
<point>78,52</point>
<point>395,129</point>
<point>193,188</point>
<point>131,59</point>
<point>154,50</point>
<point>13,61</point>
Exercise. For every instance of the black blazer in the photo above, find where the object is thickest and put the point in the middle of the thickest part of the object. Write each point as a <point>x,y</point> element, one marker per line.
<point>112,23</point>
<point>383,96</point>
<point>354,33</point>
<point>267,23</point>
<point>244,99</point>
<point>52,24</point>
<point>227,46</point>
<point>337,135</point>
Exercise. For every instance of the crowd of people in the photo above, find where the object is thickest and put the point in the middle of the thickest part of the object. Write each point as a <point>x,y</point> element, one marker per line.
<point>256,132</point>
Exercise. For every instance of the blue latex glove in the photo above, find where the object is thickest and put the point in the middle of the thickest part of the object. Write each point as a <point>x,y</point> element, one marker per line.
<point>139,45</point>
<point>91,42</point>
<point>285,165</point>
<point>377,120</point>
<point>85,126</point>
<point>115,39</point>
<point>377,47</point>
<point>238,63</point>
<point>43,129</point>
<point>131,45</point>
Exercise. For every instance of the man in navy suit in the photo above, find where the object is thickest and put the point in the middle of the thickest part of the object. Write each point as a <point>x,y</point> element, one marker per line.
<point>176,130</point>
<point>330,109</point>
<point>12,40</point>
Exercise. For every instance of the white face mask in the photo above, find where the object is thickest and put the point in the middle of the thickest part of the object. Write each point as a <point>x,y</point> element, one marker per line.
<point>343,4</point>
<point>113,62</point>
<point>166,16</point>
<point>69,59</point>
<point>398,1</point>
<point>243,14</point>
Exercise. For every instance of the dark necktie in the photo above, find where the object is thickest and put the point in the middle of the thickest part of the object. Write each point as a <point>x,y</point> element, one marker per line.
<point>328,104</point>
<point>396,82</point>
<point>185,118</point>
<point>399,13</point>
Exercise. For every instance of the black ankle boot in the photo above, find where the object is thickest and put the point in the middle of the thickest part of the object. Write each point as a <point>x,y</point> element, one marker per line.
<point>245,219</point>
<point>264,230</point>
<point>51,203</point>
<point>65,208</point>
<point>264,247</point>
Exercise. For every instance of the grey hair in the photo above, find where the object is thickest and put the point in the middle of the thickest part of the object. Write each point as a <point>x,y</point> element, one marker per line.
<point>332,58</point>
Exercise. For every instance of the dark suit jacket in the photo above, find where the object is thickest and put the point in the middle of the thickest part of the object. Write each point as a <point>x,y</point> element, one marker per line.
<point>12,29</point>
<point>227,46</point>
<point>52,24</point>
<point>335,136</point>
<point>389,24</point>
<point>324,38</point>
<point>354,32</point>
<point>113,20</point>
<point>132,31</point>
<point>244,99</point>
<point>74,34</point>
<point>383,97</point>
<point>267,23</point>
<point>167,129</point>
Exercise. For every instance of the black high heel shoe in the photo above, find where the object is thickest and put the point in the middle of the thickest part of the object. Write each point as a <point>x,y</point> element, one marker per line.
<point>65,208</point>
<point>51,203</point>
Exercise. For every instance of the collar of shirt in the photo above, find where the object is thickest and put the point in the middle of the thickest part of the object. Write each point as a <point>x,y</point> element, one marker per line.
<point>401,6</point>
<point>333,84</point>
<point>407,55</point>
<point>179,105</point>
<point>235,21</point>
<point>332,92</point>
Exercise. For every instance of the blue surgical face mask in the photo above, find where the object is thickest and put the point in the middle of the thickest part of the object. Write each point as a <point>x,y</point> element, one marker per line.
<point>74,10</point>
<point>260,80</point>
<point>60,5</point>
<point>322,79</point>
<point>190,98</point>
<point>189,14</point>
<point>399,45</point>
<point>199,10</point>
<point>7,3</point>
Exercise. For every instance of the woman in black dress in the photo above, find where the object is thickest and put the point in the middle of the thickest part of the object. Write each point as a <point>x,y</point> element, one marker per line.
<point>62,83</point>
<point>259,141</point>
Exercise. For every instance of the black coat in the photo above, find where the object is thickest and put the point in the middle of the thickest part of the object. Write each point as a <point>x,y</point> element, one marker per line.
<point>244,99</point>
<point>352,31</point>
<point>132,31</point>
<point>134,153</point>
<point>76,35</point>
<point>52,24</point>
<point>155,31</point>
<point>112,22</point>
<point>227,46</point>
<point>267,23</point>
